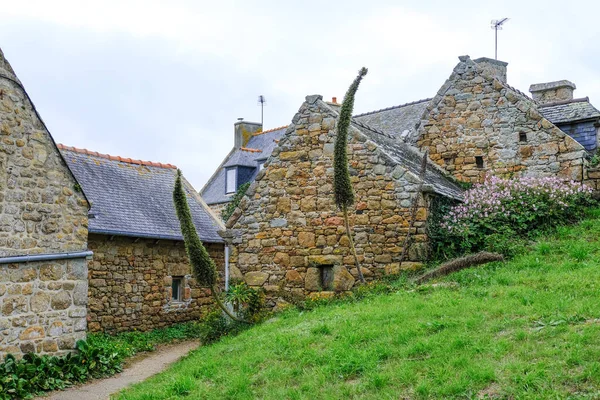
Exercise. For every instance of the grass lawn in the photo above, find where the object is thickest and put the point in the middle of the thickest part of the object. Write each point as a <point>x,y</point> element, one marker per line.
<point>528,328</point>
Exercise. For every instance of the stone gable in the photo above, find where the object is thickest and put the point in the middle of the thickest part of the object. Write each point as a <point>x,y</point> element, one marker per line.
<point>42,209</point>
<point>287,227</point>
<point>42,213</point>
<point>478,125</point>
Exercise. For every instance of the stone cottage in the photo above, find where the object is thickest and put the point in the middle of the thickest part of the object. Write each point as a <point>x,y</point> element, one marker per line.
<point>43,233</point>
<point>478,125</point>
<point>140,277</point>
<point>287,235</point>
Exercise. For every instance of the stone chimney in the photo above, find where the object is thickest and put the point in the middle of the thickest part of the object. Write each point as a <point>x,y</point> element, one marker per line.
<point>243,131</point>
<point>492,68</point>
<point>552,92</point>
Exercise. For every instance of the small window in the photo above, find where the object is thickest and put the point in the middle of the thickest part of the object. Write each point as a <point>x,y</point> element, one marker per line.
<point>522,137</point>
<point>231,179</point>
<point>479,161</point>
<point>326,276</point>
<point>176,288</point>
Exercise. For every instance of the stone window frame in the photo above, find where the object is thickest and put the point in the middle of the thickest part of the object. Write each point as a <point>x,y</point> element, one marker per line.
<point>185,299</point>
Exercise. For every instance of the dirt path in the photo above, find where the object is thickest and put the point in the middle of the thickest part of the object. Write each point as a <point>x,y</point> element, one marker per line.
<point>137,372</point>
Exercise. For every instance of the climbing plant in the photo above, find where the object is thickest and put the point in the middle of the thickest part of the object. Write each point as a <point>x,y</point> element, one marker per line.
<point>344,194</point>
<point>203,267</point>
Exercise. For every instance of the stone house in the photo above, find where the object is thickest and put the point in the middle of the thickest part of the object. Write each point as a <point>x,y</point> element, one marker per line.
<point>140,277</point>
<point>478,125</point>
<point>43,233</point>
<point>286,234</point>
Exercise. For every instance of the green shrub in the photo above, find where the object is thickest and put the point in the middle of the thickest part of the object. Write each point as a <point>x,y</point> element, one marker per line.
<point>34,374</point>
<point>246,301</point>
<point>101,355</point>
<point>498,214</point>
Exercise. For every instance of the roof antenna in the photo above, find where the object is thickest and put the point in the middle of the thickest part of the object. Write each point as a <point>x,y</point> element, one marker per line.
<point>497,25</point>
<point>262,101</point>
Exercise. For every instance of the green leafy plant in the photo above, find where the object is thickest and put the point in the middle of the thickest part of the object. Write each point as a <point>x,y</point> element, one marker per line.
<point>203,267</point>
<point>344,194</point>
<point>235,201</point>
<point>246,300</point>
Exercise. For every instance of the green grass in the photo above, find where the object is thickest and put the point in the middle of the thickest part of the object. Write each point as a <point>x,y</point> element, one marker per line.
<point>528,328</point>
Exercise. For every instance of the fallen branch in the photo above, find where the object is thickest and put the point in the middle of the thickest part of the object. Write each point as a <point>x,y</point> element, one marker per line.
<point>457,264</point>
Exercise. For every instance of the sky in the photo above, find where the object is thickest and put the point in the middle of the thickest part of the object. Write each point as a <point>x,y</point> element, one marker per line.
<point>166,80</point>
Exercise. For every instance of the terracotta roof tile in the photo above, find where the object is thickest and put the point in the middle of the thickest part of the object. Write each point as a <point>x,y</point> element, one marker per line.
<point>270,130</point>
<point>115,158</point>
<point>251,150</point>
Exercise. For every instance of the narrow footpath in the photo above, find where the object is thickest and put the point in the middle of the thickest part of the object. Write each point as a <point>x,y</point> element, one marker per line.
<point>101,389</point>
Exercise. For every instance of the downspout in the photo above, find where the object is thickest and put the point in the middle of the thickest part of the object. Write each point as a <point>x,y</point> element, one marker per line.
<point>226,268</point>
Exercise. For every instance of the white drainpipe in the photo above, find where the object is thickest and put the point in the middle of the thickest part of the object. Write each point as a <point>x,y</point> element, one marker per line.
<point>226,268</point>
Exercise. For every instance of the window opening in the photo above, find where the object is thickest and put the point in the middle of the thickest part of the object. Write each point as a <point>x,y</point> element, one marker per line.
<point>176,288</point>
<point>479,161</point>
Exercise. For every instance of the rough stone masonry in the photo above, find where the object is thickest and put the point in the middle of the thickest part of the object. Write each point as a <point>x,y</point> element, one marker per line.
<point>42,212</point>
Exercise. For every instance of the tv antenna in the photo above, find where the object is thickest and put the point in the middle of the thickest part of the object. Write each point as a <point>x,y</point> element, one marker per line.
<point>496,26</point>
<point>262,101</point>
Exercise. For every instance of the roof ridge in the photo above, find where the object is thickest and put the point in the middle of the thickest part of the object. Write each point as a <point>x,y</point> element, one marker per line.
<point>506,85</point>
<point>251,150</point>
<point>270,130</point>
<point>562,102</point>
<point>115,158</point>
<point>393,107</point>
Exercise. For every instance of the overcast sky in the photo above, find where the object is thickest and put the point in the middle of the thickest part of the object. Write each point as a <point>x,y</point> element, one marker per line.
<point>165,81</point>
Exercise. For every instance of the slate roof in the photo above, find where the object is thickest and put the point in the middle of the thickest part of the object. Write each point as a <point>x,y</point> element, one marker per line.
<point>214,190</point>
<point>134,198</point>
<point>569,111</point>
<point>409,157</point>
<point>400,121</point>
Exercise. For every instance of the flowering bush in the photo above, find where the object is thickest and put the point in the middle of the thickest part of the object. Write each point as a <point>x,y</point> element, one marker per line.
<point>501,209</point>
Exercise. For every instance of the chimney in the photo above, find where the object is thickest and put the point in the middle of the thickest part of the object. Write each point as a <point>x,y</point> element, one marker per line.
<point>334,100</point>
<point>552,92</point>
<point>243,131</point>
<point>492,68</point>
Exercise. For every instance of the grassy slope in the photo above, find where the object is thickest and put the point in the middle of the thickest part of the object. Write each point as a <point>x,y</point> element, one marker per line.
<point>529,328</point>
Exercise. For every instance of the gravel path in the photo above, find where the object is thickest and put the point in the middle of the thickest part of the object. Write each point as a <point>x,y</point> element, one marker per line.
<point>137,372</point>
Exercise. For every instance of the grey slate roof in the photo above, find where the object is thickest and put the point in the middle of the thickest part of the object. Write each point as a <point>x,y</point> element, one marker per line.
<point>214,190</point>
<point>410,158</point>
<point>132,198</point>
<point>400,121</point>
<point>571,111</point>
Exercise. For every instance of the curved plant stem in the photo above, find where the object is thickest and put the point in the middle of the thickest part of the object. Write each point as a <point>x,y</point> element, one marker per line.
<point>414,208</point>
<point>223,307</point>
<point>349,234</point>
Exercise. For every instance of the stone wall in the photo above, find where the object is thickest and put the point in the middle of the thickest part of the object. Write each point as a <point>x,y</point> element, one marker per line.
<point>218,208</point>
<point>475,115</point>
<point>41,208</point>
<point>287,227</point>
<point>43,306</point>
<point>130,283</point>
